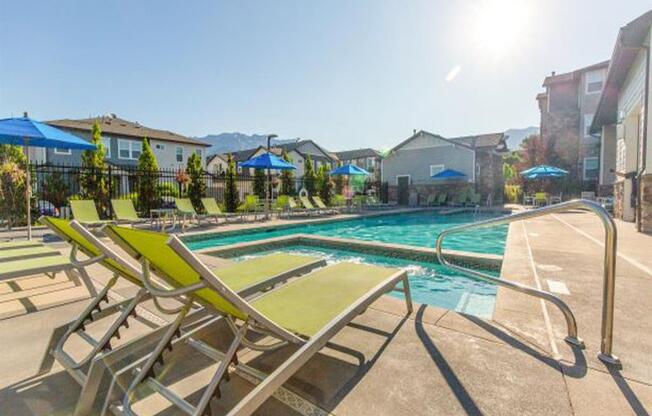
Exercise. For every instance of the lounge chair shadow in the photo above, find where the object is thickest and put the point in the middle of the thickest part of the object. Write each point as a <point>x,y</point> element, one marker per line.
<point>458,389</point>
<point>577,370</point>
<point>55,393</point>
<point>326,380</point>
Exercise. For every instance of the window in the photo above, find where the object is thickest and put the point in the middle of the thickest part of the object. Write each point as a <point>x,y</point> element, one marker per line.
<point>179,153</point>
<point>198,152</point>
<point>160,146</point>
<point>129,149</point>
<point>588,119</point>
<point>593,81</point>
<point>106,141</point>
<point>591,168</point>
<point>435,169</point>
<point>58,151</point>
<point>370,163</point>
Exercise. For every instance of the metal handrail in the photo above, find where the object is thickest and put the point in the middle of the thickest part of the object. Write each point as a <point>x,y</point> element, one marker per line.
<point>609,280</point>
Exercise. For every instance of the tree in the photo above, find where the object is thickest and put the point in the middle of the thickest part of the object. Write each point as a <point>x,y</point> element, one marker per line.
<point>12,192</point>
<point>197,187</point>
<point>148,174</point>
<point>55,190</point>
<point>309,177</point>
<point>259,183</point>
<point>92,181</point>
<point>287,177</point>
<point>231,198</point>
<point>326,185</point>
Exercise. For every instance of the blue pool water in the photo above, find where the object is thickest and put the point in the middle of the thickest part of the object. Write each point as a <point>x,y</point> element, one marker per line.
<point>416,229</point>
<point>430,283</point>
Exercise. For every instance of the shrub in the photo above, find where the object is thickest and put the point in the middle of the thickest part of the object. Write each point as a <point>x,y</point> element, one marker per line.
<point>148,173</point>
<point>287,177</point>
<point>92,181</point>
<point>309,177</point>
<point>513,193</point>
<point>326,185</point>
<point>259,183</point>
<point>197,187</point>
<point>55,190</point>
<point>12,193</point>
<point>231,200</point>
<point>168,189</point>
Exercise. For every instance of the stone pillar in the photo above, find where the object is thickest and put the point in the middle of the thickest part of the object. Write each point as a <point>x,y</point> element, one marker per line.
<point>646,203</point>
<point>619,193</point>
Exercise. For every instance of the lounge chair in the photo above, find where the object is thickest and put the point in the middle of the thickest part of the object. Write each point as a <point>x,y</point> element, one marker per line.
<point>441,199</point>
<point>246,277</point>
<point>295,209</point>
<point>305,202</point>
<point>307,312</point>
<point>212,210</point>
<point>540,199</point>
<point>252,206</point>
<point>10,245</point>
<point>459,199</point>
<point>281,206</point>
<point>473,198</point>
<point>323,207</point>
<point>30,258</point>
<point>186,211</point>
<point>124,212</point>
<point>85,212</point>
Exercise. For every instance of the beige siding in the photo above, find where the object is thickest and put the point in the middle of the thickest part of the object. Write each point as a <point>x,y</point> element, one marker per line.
<point>166,157</point>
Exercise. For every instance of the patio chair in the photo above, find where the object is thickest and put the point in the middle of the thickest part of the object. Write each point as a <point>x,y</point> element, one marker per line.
<point>213,210</point>
<point>528,199</point>
<point>308,206</point>
<point>252,206</point>
<point>10,245</point>
<point>247,278</point>
<point>540,198</point>
<point>30,258</point>
<point>295,209</point>
<point>323,207</point>
<point>85,212</point>
<point>307,312</point>
<point>556,199</point>
<point>186,211</point>
<point>339,203</point>
<point>459,199</point>
<point>125,212</point>
<point>473,198</point>
<point>440,201</point>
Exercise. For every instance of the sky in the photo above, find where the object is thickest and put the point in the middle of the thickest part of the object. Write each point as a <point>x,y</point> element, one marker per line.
<point>346,73</point>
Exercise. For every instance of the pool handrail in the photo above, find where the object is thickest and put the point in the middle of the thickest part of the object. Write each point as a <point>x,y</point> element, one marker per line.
<point>609,279</point>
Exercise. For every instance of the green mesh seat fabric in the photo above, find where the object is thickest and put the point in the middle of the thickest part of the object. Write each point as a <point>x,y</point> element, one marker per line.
<point>211,207</point>
<point>306,202</point>
<point>10,245</point>
<point>124,210</point>
<point>38,264</point>
<point>184,206</point>
<point>292,203</point>
<point>169,265</point>
<point>84,211</point>
<point>320,204</point>
<point>306,305</point>
<point>26,253</point>
<point>63,229</point>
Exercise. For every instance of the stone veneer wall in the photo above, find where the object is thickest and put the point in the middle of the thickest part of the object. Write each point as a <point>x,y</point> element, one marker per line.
<point>619,190</point>
<point>646,203</point>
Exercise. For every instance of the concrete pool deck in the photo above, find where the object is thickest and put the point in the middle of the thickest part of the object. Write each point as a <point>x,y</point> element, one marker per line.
<point>432,362</point>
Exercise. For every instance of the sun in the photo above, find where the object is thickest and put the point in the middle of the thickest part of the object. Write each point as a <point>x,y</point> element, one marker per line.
<point>498,27</point>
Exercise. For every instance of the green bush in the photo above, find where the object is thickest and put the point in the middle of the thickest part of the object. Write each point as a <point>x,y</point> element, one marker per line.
<point>231,198</point>
<point>168,189</point>
<point>92,180</point>
<point>259,183</point>
<point>197,187</point>
<point>513,194</point>
<point>287,177</point>
<point>309,177</point>
<point>148,174</point>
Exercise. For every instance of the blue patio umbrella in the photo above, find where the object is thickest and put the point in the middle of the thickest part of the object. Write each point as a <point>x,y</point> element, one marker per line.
<point>349,170</point>
<point>267,161</point>
<point>23,131</point>
<point>448,174</point>
<point>543,172</point>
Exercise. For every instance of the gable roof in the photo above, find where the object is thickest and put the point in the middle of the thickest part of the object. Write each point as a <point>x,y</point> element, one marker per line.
<point>357,154</point>
<point>328,156</point>
<point>210,158</point>
<point>113,125</point>
<point>630,38</point>
<point>496,141</point>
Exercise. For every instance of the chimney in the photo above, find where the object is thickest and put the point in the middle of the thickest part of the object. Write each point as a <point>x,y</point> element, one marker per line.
<point>414,131</point>
<point>553,74</point>
<point>25,114</point>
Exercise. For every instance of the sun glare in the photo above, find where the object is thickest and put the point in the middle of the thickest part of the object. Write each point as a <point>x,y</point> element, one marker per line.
<point>499,26</point>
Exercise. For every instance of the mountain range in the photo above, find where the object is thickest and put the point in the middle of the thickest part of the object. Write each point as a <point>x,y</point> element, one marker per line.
<point>233,142</point>
<point>516,136</point>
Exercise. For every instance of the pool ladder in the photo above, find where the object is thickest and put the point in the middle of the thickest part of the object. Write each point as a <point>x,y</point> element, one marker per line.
<point>609,278</point>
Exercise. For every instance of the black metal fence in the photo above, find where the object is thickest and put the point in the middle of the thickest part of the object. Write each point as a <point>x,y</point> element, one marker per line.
<point>57,184</point>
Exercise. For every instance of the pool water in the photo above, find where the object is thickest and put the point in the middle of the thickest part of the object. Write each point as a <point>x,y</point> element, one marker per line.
<point>430,283</point>
<point>415,229</point>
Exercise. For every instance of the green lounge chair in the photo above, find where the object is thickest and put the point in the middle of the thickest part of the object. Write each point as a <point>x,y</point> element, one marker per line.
<point>308,206</point>
<point>246,277</point>
<point>307,312</point>
<point>186,211</point>
<point>281,206</point>
<point>323,207</point>
<point>252,206</point>
<point>30,258</point>
<point>295,209</point>
<point>459,199</point>
<point>212,210</point>
<point>474,198</point>
<point>85,212</point>
<point>541,198</point>
<point>441,199</point>
<point>10,245</point>
<point>124,212</point>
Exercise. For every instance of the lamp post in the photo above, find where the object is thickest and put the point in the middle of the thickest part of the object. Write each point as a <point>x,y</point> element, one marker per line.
<point>267,201</point>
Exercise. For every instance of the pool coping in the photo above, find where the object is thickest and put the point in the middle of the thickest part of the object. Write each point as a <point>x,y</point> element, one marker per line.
<point>491,262</point>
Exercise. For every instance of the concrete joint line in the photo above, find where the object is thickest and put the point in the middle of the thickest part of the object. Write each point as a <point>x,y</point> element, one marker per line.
<point>544,307</point>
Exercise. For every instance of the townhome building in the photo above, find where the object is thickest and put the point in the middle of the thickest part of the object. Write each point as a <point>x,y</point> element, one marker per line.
<point>123,141</point>
<point>368,159</point>
<point>567,109</point>
<point>622,120</point>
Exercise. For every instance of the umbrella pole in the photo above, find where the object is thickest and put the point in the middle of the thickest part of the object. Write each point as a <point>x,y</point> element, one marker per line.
<point>28,190</point>
<point>267,195</point>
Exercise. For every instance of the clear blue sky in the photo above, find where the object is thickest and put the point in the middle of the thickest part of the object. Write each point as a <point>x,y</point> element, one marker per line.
<point>346,73</point>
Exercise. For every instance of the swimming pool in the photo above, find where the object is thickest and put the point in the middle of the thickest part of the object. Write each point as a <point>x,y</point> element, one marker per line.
<point>430,283</point>
<point>416,229</point>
